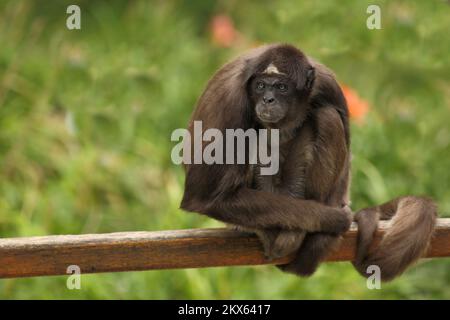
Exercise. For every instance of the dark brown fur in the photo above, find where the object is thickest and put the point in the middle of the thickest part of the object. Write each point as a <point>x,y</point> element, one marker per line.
<point>304,208</point>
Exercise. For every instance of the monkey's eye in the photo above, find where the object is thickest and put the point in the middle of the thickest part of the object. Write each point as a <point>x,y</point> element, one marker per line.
<point>260,85</point>
<point>282,87</point>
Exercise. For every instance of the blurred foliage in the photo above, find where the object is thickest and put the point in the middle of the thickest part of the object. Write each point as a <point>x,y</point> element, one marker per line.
<point>86,117</point>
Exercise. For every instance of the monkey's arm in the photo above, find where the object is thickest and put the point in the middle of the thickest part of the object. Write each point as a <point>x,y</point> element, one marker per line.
<point>255,209</point>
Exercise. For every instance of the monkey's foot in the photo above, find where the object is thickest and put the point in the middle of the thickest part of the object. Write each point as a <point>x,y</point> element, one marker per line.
<point>314,250</point>
<point>278,243</point>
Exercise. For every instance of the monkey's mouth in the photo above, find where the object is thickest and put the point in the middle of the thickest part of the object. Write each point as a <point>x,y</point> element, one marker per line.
<point>269,114</point>
<point>269,118</point>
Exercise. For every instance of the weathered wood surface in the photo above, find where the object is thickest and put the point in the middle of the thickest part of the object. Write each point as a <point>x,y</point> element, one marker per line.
<point>127,251</point>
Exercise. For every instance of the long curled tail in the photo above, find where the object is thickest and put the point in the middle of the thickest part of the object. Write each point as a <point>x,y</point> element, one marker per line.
<point>412,221</point>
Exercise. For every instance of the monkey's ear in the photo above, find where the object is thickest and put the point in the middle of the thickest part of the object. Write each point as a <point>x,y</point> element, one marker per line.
<point>310,76</point>
<point>249,70</point>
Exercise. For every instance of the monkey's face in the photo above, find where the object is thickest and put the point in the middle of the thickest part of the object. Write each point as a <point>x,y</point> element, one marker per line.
<point>272,96</point>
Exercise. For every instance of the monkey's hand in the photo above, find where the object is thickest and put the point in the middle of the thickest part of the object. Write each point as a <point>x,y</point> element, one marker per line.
<point>338,221</point>
<point>280,243</point>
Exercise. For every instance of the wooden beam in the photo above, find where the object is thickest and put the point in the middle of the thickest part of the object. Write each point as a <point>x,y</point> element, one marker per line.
<point>127,251</point>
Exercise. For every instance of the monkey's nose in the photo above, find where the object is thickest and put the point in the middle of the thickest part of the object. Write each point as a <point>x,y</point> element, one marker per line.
<point>268,100</point>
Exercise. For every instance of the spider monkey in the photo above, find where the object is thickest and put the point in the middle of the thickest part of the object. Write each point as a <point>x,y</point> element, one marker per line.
<point>304,207</point>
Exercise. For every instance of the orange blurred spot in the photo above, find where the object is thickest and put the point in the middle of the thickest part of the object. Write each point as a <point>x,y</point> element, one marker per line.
<point>222,31</point>
<point>357,106</point>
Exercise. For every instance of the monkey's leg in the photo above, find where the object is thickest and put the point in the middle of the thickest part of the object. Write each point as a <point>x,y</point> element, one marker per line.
<point>281,242</point>
<point>278,243</point>
<point>313,250</point>
<point>288,241</point>
<point>326,181</point>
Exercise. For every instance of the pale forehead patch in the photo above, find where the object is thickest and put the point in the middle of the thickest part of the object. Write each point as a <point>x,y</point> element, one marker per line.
<point>272,69</point>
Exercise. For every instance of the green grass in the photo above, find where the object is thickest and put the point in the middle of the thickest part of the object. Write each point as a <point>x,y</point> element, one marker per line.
<point>86,118</point>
